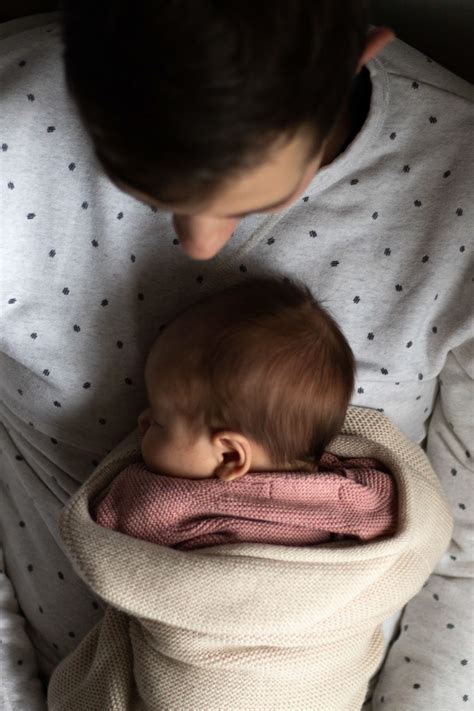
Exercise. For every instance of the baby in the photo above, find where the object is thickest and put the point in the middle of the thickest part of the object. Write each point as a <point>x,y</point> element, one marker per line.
<point>247,389</point>
<point>256,377</point>
<point>252,381</point>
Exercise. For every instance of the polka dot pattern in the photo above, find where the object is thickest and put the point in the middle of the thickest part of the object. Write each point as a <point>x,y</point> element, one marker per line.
<point>407,679</point>
<point>91,274</point>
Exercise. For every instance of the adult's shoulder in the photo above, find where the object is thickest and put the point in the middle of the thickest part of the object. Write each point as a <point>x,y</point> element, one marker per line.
<point>401,60</point>
<point>20,30</point>
<point>427,116</point>
<point>30,54</point>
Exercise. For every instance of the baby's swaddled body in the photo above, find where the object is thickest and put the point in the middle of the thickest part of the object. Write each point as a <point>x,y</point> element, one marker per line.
<point>248,625</point>
<point>250,545</point>
<point>351,498</point>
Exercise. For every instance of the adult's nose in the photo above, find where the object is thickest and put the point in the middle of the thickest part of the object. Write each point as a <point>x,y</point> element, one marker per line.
<point>203,237</point>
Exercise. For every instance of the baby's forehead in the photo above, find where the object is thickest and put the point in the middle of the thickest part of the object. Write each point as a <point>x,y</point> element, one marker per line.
<point>189,329</point>
<point>160,359</point>
<point>175,352</point>
<point>161,381</point>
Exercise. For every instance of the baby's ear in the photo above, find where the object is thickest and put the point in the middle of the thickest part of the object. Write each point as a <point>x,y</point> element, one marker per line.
<point>234,455</point>
<point>225,472</point>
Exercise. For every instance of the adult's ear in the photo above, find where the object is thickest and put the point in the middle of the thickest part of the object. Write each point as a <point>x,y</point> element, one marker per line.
<point>377,39</point>
<point>234,453</point>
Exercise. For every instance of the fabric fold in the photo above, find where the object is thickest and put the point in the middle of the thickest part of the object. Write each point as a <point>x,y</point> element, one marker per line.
<point>248,625</point>
<point>353,498</point>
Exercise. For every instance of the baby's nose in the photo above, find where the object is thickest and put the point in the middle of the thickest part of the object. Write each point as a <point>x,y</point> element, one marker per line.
<point>144,420</point>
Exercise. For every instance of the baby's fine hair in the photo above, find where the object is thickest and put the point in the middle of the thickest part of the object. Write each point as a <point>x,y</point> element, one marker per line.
<point>263,358</point>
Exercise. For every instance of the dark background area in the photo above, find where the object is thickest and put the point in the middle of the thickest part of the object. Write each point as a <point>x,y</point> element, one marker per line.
<point>442,29</point>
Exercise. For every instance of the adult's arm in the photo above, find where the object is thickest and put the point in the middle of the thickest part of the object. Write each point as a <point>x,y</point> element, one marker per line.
<point>429,666</point>
<point>20,687</point>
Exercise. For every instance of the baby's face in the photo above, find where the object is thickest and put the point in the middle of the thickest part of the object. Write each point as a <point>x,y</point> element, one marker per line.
<point>169,445</point>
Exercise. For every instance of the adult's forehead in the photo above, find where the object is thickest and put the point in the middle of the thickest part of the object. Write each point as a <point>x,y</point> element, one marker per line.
<point>267,185</point>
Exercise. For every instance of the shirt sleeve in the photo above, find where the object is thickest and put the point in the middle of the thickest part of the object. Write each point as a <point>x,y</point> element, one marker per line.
<point>429,666</point>
<point>20,686</point>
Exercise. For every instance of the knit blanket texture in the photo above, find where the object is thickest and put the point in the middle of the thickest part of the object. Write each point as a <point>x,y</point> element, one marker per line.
<point>246,625</point>
<point>345,498</point>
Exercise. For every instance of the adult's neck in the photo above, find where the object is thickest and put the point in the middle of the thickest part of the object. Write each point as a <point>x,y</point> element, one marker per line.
<point>351,119</point>
<point>337,139</point>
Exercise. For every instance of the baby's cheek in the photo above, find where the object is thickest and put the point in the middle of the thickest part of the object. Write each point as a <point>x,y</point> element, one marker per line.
<point>150,448</point>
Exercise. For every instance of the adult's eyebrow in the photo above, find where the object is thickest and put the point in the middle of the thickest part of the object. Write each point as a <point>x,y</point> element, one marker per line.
<point>274,205</point>
<point>168,205</point>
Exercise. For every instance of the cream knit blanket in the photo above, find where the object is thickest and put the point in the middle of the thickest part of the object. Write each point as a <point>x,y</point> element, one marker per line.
<point>247,626</point>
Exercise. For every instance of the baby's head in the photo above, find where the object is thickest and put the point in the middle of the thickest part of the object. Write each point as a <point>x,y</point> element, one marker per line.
<point>257,377</point>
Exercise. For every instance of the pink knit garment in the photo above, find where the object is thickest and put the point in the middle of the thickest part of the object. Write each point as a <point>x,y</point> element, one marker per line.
<point>350,498</point>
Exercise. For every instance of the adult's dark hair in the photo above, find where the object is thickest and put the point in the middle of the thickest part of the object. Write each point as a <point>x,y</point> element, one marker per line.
<point>180,95</point>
